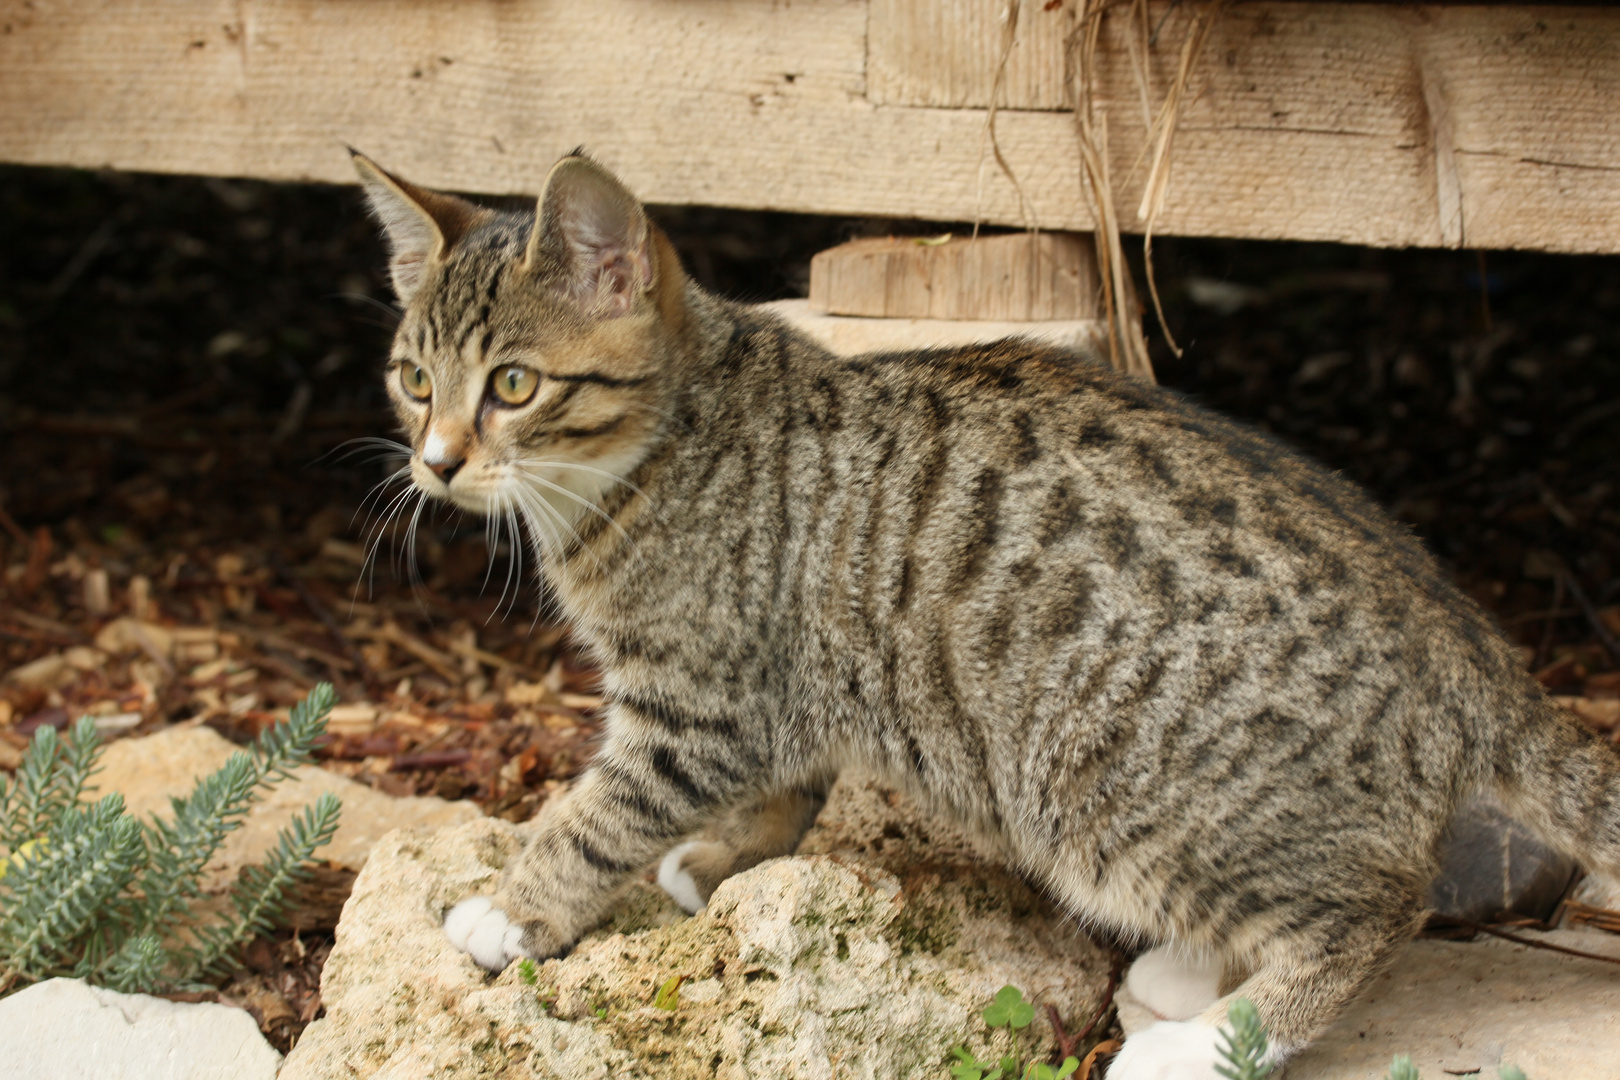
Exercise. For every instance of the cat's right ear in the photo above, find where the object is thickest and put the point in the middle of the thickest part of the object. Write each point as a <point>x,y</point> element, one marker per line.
<point>592,239</point>
<point>421,225</point>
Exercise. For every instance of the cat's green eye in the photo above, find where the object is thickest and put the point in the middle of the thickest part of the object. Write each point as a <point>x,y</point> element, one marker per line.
<point>415,381</point>
<point>515,385</point>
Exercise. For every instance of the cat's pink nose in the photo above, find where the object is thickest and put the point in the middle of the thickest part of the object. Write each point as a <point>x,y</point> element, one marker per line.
<point>444,470</point>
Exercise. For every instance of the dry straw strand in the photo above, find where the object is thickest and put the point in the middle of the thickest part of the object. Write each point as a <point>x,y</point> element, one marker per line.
<point>1161,137</point>
<point>1127,348</point>
<point>1026,206</point>
<point>1126,343</point>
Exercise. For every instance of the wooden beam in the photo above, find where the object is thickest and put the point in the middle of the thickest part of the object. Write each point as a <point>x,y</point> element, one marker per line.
<point>1019,277</point>
<point>850,335</point>
<point>1487,126</point>
<point>943,54</point>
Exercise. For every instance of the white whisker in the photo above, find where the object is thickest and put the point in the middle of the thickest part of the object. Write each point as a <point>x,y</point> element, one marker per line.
<point>376,492</point>
<point>388,514</point>
<point>579,541</point>
<point>582,500</point>
<point>415,576</point>
<point>615,477</point>
<point>382,449</point>
<point>514,567</point>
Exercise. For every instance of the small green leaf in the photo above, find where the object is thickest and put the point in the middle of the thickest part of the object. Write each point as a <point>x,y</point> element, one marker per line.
<point>601,1012</point>
<point>1511,1072</point>
<point>1070,1064</point>
<point>968,1067</point>
<point>1009,1009</point>
<point>669,995</point>
<point>528,972</point>
<point>1402,1069</point>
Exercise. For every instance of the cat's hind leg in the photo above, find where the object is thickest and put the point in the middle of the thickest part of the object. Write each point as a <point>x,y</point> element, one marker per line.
<point>753,832</point>
<point>1175,983</point>
<point>1302,979</point>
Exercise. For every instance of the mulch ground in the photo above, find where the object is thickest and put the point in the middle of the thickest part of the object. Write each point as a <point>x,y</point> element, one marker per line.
<point>182,362</point>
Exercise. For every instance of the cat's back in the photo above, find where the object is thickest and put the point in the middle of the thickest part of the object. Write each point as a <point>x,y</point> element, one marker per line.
<point>1136,469</point>
<point>1012,518</point>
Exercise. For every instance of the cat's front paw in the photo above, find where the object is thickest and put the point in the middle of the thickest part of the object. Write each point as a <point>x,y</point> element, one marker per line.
<point>1168,1050</point>
<point>481,930</point>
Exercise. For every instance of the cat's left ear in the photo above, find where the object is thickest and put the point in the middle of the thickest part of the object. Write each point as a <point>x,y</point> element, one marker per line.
<point>421,225</point>
<point>592,237</point>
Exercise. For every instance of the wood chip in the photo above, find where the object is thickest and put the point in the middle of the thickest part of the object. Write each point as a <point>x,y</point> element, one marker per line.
<point>441,663</point>
<point>1602,714</point>
<point>357,719</point>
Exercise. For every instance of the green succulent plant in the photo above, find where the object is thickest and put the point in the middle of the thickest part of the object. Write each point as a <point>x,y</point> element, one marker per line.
<point>89,891</point>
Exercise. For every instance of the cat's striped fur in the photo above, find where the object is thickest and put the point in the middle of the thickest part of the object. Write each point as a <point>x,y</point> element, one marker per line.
<point>1194,685</point>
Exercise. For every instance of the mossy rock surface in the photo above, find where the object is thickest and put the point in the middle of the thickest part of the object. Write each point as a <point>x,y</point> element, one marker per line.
<point>871,953</point>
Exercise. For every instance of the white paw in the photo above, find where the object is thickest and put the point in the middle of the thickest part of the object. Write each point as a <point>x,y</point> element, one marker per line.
<point>1168,1050</point>
<point>674,879</point>
<point>1176,985</point>
<point>480,929</point>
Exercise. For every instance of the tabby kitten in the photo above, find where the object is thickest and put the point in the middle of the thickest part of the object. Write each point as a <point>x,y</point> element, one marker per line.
<point>1194,685</point>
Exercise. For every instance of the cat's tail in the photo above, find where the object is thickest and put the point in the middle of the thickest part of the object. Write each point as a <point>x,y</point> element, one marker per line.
<point>1563,780</point>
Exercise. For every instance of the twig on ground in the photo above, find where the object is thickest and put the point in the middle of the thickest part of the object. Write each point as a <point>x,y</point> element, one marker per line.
<point>313,604</point>
<point>489,659</point>
<point>392,633</point>
<point>49,637</point>
<point>1065,1044</point>
<point>1534,944</point>
<point>1115,969</point>
<point>1580,914</point>
<point>438,759</point>
<point>1568,581</point>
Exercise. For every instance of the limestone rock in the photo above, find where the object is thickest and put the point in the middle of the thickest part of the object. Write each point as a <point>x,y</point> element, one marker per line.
<point>1493,865</point>
<point>1458,1006</point>
<point>871,956</point>
<point>65,1029</point>
<point>148,771</point>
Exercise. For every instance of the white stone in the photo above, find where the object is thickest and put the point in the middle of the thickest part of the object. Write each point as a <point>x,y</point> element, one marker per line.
<point>65,1029</point>
<point>148,771</point>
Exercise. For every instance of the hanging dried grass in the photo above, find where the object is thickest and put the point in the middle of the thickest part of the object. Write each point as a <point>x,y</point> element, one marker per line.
<point>1161,136</point>
<point>1026,205</point>
<point>1127,348</point>
<point>1127,345</point>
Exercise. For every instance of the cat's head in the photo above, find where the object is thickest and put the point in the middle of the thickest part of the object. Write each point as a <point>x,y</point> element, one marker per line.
<point>535,348</point>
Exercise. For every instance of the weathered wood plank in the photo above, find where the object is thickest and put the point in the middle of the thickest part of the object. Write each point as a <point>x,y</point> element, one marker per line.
<point>1019,277</point>
<point>1314,121</point>
<point>850,334</point>
<point>944,54</point>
